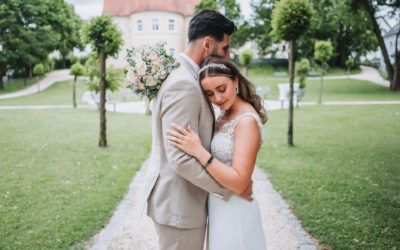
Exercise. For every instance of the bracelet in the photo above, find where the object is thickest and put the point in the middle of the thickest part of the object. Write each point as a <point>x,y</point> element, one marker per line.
<point>209,161</point>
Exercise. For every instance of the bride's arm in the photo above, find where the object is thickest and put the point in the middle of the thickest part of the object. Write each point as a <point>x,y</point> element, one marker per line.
<point>247,141</point>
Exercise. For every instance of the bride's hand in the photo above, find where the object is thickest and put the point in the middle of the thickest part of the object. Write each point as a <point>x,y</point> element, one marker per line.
<point>184,139</point>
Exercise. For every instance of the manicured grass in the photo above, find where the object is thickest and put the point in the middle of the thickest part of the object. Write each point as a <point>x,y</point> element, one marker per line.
<point>60,93</point>
<point>333,90</point>
<point>57,187</point>
<point>342,177</point>
<point>269,71</point>
<point>18,84</point>
<point>338,71</point>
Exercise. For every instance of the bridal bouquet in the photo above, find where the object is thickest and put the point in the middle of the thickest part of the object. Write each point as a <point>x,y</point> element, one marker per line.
<point>149,67</point>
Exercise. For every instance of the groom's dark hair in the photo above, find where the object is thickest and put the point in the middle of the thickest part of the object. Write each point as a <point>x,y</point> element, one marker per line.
<point>210,23</point>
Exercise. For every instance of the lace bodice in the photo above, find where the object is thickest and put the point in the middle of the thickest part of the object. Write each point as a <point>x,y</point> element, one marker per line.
<point>223,140</point>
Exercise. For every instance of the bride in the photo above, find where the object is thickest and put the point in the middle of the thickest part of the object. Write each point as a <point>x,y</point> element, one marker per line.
<point>235,224</point>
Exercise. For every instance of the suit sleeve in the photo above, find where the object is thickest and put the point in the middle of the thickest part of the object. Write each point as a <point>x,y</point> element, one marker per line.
<point>181,105</point>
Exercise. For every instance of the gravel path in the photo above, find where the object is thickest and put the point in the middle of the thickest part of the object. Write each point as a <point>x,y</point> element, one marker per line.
<point>127,229</point>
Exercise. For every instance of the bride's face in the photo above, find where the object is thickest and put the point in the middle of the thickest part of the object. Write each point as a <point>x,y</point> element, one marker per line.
<point>220,90</point>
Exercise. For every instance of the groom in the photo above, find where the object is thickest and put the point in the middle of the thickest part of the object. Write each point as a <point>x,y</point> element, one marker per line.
<point>178,185</point>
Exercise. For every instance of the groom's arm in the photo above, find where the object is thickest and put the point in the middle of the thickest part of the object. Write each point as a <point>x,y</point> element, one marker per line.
<point>181,105</point>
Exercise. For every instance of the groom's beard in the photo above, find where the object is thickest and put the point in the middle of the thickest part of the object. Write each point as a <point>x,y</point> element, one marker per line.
<point>214,52</point>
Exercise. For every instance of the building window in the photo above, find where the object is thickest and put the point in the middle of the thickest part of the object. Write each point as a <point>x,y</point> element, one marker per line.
<point>139,25</point>
<point>154,25</point>
<point>127,28</point>
<point>171,25</point>
<point>172,51</point>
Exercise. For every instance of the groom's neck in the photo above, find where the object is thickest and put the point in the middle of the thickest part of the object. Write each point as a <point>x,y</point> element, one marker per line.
<point>195,52</point>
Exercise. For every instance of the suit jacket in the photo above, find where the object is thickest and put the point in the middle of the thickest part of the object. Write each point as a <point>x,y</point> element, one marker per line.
<point>177,184</point>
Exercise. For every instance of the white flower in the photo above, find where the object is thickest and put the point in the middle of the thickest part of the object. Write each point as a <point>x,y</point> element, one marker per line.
<point>163,74</point>
<point>149,80</point>
<point>157,66</point>
<point>141,67</point>
<point>130,76</point>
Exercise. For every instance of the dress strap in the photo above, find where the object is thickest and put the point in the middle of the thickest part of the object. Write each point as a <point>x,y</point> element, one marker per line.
<point>256,117</point>
<point>236,120</point>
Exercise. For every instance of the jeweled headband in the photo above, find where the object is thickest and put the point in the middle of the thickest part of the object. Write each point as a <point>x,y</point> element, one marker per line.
<point>214,66</point>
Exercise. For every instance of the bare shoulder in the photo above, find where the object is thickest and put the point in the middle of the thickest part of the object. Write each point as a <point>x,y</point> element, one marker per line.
<point>247,122</point>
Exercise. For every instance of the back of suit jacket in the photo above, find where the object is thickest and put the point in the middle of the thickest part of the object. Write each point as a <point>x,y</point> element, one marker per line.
<point>177,185</point>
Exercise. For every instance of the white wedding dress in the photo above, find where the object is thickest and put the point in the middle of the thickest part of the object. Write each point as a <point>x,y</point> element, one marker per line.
<point>234,224</point>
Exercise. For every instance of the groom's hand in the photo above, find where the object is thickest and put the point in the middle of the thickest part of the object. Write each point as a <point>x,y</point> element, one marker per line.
<point>248,192</point>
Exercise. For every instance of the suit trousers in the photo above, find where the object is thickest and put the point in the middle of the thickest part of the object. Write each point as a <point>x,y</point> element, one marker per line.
<point>172,238</point>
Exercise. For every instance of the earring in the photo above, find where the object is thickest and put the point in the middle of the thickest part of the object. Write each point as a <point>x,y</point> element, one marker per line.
<point>237,90</point>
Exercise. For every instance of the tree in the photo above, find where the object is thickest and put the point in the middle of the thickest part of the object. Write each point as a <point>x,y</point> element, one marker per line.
<point>38,70</point>
<point>372,6</point>
<point>290,19</point>
<point>76,70</point>
<point>323,52</point>
<point>260,27</point>
<point>349,32</point>
<point>92,67</point>
<point>26,35</point>
<point>29,33</point>
<point>302,69</point>
<point>231,10</point>
<point>246,57</point>
<point>349,64</point>
<point>67,24</point>
<point>105,40</point>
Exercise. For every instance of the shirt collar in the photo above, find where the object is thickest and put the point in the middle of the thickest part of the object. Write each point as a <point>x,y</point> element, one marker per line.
<point>194,65</point>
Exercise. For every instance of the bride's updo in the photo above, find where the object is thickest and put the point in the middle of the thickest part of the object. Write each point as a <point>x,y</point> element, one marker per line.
<point>220,66</point>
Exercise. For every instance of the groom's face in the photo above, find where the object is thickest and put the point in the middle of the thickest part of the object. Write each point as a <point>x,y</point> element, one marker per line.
<point>221,48</point>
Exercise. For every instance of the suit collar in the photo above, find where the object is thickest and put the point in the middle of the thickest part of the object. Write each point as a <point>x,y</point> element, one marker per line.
<point>184,61</point>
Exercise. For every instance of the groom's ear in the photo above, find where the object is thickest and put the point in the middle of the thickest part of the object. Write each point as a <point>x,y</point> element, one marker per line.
<point>208,43</point>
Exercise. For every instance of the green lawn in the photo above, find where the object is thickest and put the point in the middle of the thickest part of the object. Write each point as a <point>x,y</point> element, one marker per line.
<point>57,188</point>
<point>18,84</point>
<point>269,71</point>
<point>60,93</point>
<point>342,178</point>
<point>333,90</point>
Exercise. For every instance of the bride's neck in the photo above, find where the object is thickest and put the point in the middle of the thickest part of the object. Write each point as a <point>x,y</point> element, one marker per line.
<point>234,109</point>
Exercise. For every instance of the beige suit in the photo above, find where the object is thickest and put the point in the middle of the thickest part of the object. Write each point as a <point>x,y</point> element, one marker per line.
<point>177,185</point>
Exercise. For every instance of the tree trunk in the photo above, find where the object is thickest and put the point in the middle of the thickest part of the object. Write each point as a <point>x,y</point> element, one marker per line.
<point>245,69</point>
<point>64,64</point>
<point>291,80</point>
<point>148,111</point>
<point>30,72</point>
<point>321,83</point>
<point>377,31</point>
<point>103,137</point>
<point>74,92</point>
<point>396,76</point>
<point>38,84</point>
<point>1,79</point>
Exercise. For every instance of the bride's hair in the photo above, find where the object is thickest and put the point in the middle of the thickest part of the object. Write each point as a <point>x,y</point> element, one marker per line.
<point>220,66</point>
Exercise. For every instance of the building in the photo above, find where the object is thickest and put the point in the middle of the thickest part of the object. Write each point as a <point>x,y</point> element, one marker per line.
<point>150,21</point>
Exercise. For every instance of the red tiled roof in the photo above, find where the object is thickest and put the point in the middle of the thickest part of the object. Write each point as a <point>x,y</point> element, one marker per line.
<point>128,7</point>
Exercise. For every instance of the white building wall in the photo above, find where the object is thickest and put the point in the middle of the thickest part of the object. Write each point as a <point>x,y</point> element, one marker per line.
<point>176,39</point>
